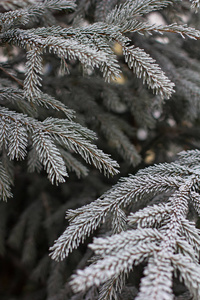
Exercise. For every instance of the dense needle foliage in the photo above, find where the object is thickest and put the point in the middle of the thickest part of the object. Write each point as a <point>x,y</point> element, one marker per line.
<point>99,100</point>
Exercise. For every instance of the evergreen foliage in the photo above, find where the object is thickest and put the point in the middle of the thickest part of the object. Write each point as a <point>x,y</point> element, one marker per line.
<point>72,71</point>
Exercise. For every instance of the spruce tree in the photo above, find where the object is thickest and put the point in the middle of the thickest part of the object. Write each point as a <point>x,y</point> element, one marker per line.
<point>99,121</point>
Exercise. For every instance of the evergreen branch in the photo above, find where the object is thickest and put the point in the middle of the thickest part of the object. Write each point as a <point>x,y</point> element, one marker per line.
<point>162,271</point>
<point>88,56</point>
<point>4,133</point>
<point>189,273</point>
<point>119,221</point>
<point>73,235</point>
<point>12,4</point>
<point>111,288</point>
<point>87,34</point>
<point>71,49</point>
<point>169,238</point>
<point>13,137</point>
<point>111,265</point>
<point>64,48</point>
<point>167,169</point>
<point>16,98</point>
<point>18,140</point>
<point>8,166</point>
<point>91,35</point>
<point>117,242</point>
<point>144,27</point>
<point>67,133</point>
<point>192,234</point>
<point>23,16</point>
<point>68,126</point>
<point>73,137</point>
<point>49,156</point>
<point>157,282</point>
<point>195,198</point>
<point>13,17</point>
<point>33,73</point>
<point>183,30</point>
<point>189,158</point>
<point>50,102</point>
<point>186,249</point>
<point>103,8</point>
<point>98,54</point>
<point>195,4</point>
<point>98,36</point>
<point>86,219</point>
<point>144,67</point>
<point>110,69</point>
<point>130,9</point>
<point>150,216</point>
<point>5,182</point>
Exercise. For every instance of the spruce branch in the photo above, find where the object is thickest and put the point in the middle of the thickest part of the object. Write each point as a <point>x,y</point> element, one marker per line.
<point>144,67</point>
<point>12,4</point>
<point>111,288</point>
<point>149,216</point>
<point>163,232</point>
<point>44,135</point>
<point>5,182</point>
<point>103,8</point>
<point>189,272</point>
<point>183,30</point>
<point>33,74</point>
<point>64,49</point>
<point>57,40</point>
<point>192,234</point>
<point>195,4</point>
<point>23,16</point>
<point>16,97</point>
<point>195,199</point>
<point>157,282</point>
<point>18,140</point>
<point>73,137</point>
<point>49,156</point>
<point>48,101</point>
<point>85,220</point>
<point>130,10</point>
<point>111,265</point>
